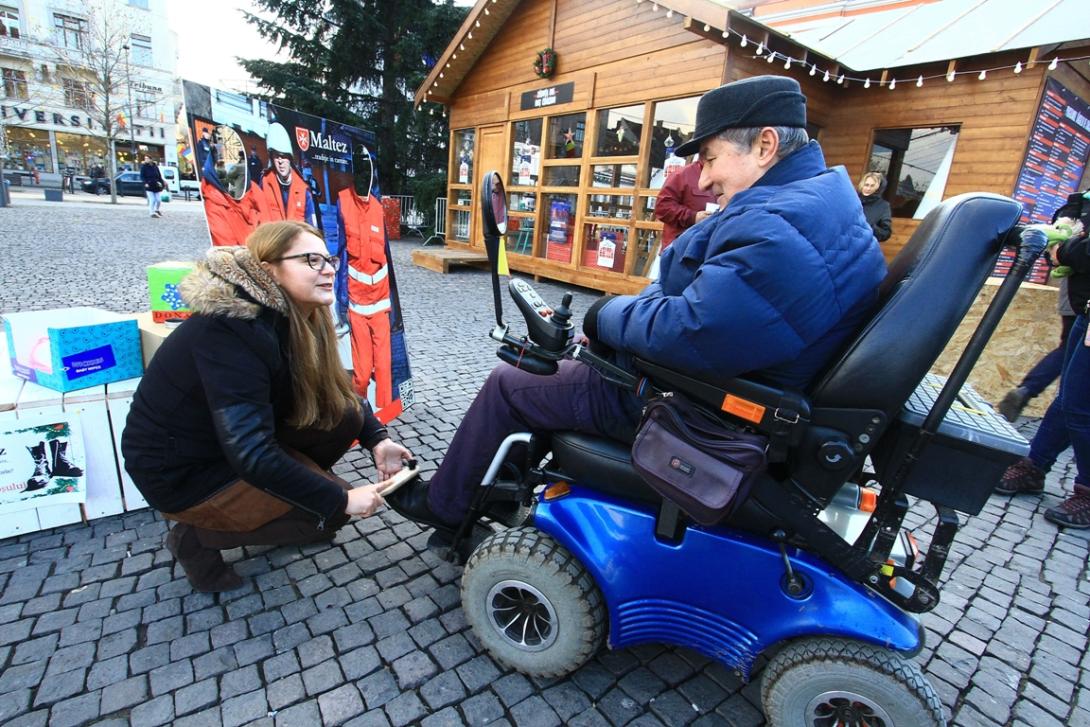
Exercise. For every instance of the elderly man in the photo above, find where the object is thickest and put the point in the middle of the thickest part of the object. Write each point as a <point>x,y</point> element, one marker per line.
<point>771,286</point>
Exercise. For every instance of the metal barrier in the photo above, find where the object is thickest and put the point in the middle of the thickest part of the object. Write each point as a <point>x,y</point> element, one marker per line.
<point>412,219</point>
<point>440,221</point>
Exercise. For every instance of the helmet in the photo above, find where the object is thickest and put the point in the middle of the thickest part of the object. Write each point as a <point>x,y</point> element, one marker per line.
<point>277,139</point>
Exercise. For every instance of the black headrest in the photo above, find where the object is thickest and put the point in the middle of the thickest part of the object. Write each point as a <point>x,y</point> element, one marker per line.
<point>930,286</point>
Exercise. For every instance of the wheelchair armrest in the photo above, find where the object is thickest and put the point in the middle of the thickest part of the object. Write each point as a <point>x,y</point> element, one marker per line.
<point>782,415</point>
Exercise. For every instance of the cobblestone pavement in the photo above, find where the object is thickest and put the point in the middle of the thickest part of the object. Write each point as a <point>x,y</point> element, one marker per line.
<point>98,625</point>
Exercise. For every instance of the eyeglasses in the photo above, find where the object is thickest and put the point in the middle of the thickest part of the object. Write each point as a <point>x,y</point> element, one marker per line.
<point>316,260</point>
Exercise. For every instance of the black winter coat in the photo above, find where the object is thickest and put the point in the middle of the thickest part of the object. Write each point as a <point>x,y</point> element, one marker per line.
<point>206,412</point>
<point>1076,252</point>
<point>878,214</point>
<point>152,177</point>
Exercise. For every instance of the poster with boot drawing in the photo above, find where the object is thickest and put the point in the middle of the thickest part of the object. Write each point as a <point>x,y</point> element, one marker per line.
<point>258,162</point>
<point>41,463</point>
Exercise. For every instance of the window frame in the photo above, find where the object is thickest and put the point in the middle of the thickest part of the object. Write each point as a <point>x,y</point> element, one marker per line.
<point>65,25</point>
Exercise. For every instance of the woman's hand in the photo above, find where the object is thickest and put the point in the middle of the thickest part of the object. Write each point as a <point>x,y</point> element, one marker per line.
<point>389,457</point>
<point>364,501</point>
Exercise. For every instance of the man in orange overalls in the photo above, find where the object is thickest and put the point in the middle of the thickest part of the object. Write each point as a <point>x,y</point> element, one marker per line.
<point>286,194</point>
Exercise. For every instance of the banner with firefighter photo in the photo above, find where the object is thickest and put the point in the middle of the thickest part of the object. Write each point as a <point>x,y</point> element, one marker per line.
<point>257,162</point>
<point>41,463</point>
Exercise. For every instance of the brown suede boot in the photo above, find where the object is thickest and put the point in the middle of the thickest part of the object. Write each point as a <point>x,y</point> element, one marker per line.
<point>204,567</point>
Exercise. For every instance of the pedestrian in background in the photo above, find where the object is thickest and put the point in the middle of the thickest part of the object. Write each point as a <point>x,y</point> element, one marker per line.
<point>153,185</point>
<point>682,203</point>
<point>875,208</point>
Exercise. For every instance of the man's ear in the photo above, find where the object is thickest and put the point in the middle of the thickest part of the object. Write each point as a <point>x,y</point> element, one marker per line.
<point>768,144</point>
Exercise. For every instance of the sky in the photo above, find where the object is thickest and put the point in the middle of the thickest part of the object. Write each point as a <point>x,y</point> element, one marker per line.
<point>211,33</point>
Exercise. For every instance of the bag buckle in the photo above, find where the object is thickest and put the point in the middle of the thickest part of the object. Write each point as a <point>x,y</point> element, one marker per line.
<point>786,419</point>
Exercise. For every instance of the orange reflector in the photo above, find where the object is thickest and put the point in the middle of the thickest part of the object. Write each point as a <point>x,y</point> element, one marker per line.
<point>555,491</point>
<point>868,499</point>
<point>743,409</point>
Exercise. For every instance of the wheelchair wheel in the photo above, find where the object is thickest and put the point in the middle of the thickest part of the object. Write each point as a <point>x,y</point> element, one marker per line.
<point>819,682</point>
<point>532,604</point>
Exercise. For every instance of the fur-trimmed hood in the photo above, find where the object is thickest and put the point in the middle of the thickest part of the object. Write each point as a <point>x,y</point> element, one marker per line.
<point>213,288</point>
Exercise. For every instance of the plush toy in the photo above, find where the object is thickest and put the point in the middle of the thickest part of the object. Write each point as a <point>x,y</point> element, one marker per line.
<point>1059,231</point>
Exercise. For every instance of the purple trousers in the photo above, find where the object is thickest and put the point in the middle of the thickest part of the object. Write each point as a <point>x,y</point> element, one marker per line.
<point>511,400</point>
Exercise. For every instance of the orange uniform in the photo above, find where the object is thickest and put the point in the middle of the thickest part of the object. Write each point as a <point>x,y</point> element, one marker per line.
<point>368,293</point>
<point>274,199</point>
<point>230,220</point>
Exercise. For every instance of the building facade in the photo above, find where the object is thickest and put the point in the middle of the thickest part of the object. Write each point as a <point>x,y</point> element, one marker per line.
<point>48,114</point>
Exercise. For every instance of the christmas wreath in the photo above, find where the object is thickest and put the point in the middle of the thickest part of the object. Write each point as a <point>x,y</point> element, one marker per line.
<point>545,63</point>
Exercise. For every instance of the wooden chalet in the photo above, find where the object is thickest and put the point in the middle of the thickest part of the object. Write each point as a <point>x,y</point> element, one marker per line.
<point>944,97</point>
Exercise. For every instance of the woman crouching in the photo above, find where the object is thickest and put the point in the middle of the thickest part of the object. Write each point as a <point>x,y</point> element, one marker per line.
<point>246,406</point>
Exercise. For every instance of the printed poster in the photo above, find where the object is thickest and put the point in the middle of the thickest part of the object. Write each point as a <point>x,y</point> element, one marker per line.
<point>258,162</point>
<point>42,462</point>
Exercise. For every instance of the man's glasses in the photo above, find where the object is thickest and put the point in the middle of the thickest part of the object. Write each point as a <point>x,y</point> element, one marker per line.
<point>316,260</point>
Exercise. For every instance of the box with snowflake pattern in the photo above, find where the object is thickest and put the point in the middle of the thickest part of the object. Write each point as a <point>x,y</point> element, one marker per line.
<point>163,281</point>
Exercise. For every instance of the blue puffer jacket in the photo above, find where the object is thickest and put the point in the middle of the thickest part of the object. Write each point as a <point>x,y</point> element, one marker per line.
<point>771,286</point>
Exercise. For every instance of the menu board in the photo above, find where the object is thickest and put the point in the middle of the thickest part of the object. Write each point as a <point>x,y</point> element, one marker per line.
<point>1056,154</point>
<point>1055,159</point>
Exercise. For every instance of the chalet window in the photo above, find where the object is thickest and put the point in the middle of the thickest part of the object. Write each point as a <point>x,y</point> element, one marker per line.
<point>671,126</point>
<point>565,138</point>
<point>916,163</point>
<point>526,152</point>
<point>141,49</point>
<point>9,21</point>
<point>71,32</point>
<point>15,83</point>
<point>77,94</point>
<point>619,131</point>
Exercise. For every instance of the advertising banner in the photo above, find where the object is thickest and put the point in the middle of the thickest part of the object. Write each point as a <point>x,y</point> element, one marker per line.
<point>41,463</point>
<point>258,162</point>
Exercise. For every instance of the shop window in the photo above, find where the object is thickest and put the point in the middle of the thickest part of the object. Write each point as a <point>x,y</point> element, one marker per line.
<point>463,155</point>
<point>614,175</point>
<point>619,131</point>
<point>520,235</point>
<point>70,31</point>
<point>140,49</point>
<point>15,83</point>
<point>77,94</point>
<point>522,202</point>
<point>672,125</point>
<point>29,149</point>
<point>617,206</point>
<point>916,163</point>
<point>559,224</point>
<point>79,154</point>
<point>562,176</point>
<point>647,249</point>
<point>647,209</point>
<point>526,152</point>
<point>604,247</point>
<point>9,21</point>
<point>566,134</point>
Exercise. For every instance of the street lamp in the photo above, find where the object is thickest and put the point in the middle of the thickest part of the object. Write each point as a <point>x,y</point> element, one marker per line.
<point>128,86</point>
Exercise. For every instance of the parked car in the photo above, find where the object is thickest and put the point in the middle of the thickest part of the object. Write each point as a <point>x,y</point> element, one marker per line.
<point>192,186</point>
<point>129,184</point>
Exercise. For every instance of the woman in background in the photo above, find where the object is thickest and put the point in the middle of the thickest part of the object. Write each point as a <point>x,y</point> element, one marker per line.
<point>875,208</point>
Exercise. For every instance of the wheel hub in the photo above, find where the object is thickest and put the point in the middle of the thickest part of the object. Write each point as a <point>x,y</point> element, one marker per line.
<point>522,615</point>
<point>845,709</point>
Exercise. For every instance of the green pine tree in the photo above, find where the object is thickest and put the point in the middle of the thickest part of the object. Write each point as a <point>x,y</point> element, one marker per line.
<point>360,62</point>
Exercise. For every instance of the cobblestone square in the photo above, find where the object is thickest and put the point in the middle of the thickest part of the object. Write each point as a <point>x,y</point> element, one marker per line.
<point>98,625</point>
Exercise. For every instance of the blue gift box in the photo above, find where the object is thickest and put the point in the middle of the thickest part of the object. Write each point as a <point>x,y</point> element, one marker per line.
<point>73,348</point>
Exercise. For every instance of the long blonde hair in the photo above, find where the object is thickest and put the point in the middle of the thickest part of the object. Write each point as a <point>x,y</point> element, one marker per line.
<point>321,389</point>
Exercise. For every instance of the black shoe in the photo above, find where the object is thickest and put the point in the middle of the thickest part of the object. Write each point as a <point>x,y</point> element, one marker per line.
<point>411,502</point>
<point>1011,406</point>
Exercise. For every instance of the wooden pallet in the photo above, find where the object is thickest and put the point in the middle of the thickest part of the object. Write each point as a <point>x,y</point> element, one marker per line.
<point>441,260</point>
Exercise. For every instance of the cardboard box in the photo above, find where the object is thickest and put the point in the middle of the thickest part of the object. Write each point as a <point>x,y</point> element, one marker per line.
<point>73,348</point>
<point>152,334</point>
<point>163,280</point>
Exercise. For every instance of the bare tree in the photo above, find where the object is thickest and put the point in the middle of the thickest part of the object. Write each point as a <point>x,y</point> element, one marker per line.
<point>96,74</point>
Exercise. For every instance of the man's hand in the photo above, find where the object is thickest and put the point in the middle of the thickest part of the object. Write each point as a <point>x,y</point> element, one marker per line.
<point>702,215</point>
<point>364,501</point>
<point>389,457</point>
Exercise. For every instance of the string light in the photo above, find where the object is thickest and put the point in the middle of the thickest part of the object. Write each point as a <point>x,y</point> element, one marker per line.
<point>470,36</point>
<point>787,66</point>
<point>707,27</point>
<point>487,11</point>
<point>950,77</point>
<point>892,84</point>
<point>760,49</point>
<point>745,41</point>
<point>919,82</point>
<point>726,34</point>
<point>1053,64</point>
<point>1018,67</point>
<point>654,7</point>
<point>983,75</point>
<point>477,23</point>
<point>840,81</point>
<point>771,56</point>
<point>825,77</point>
<point>670,13</point>
<point>867,84</point>
<point>813,70</point>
